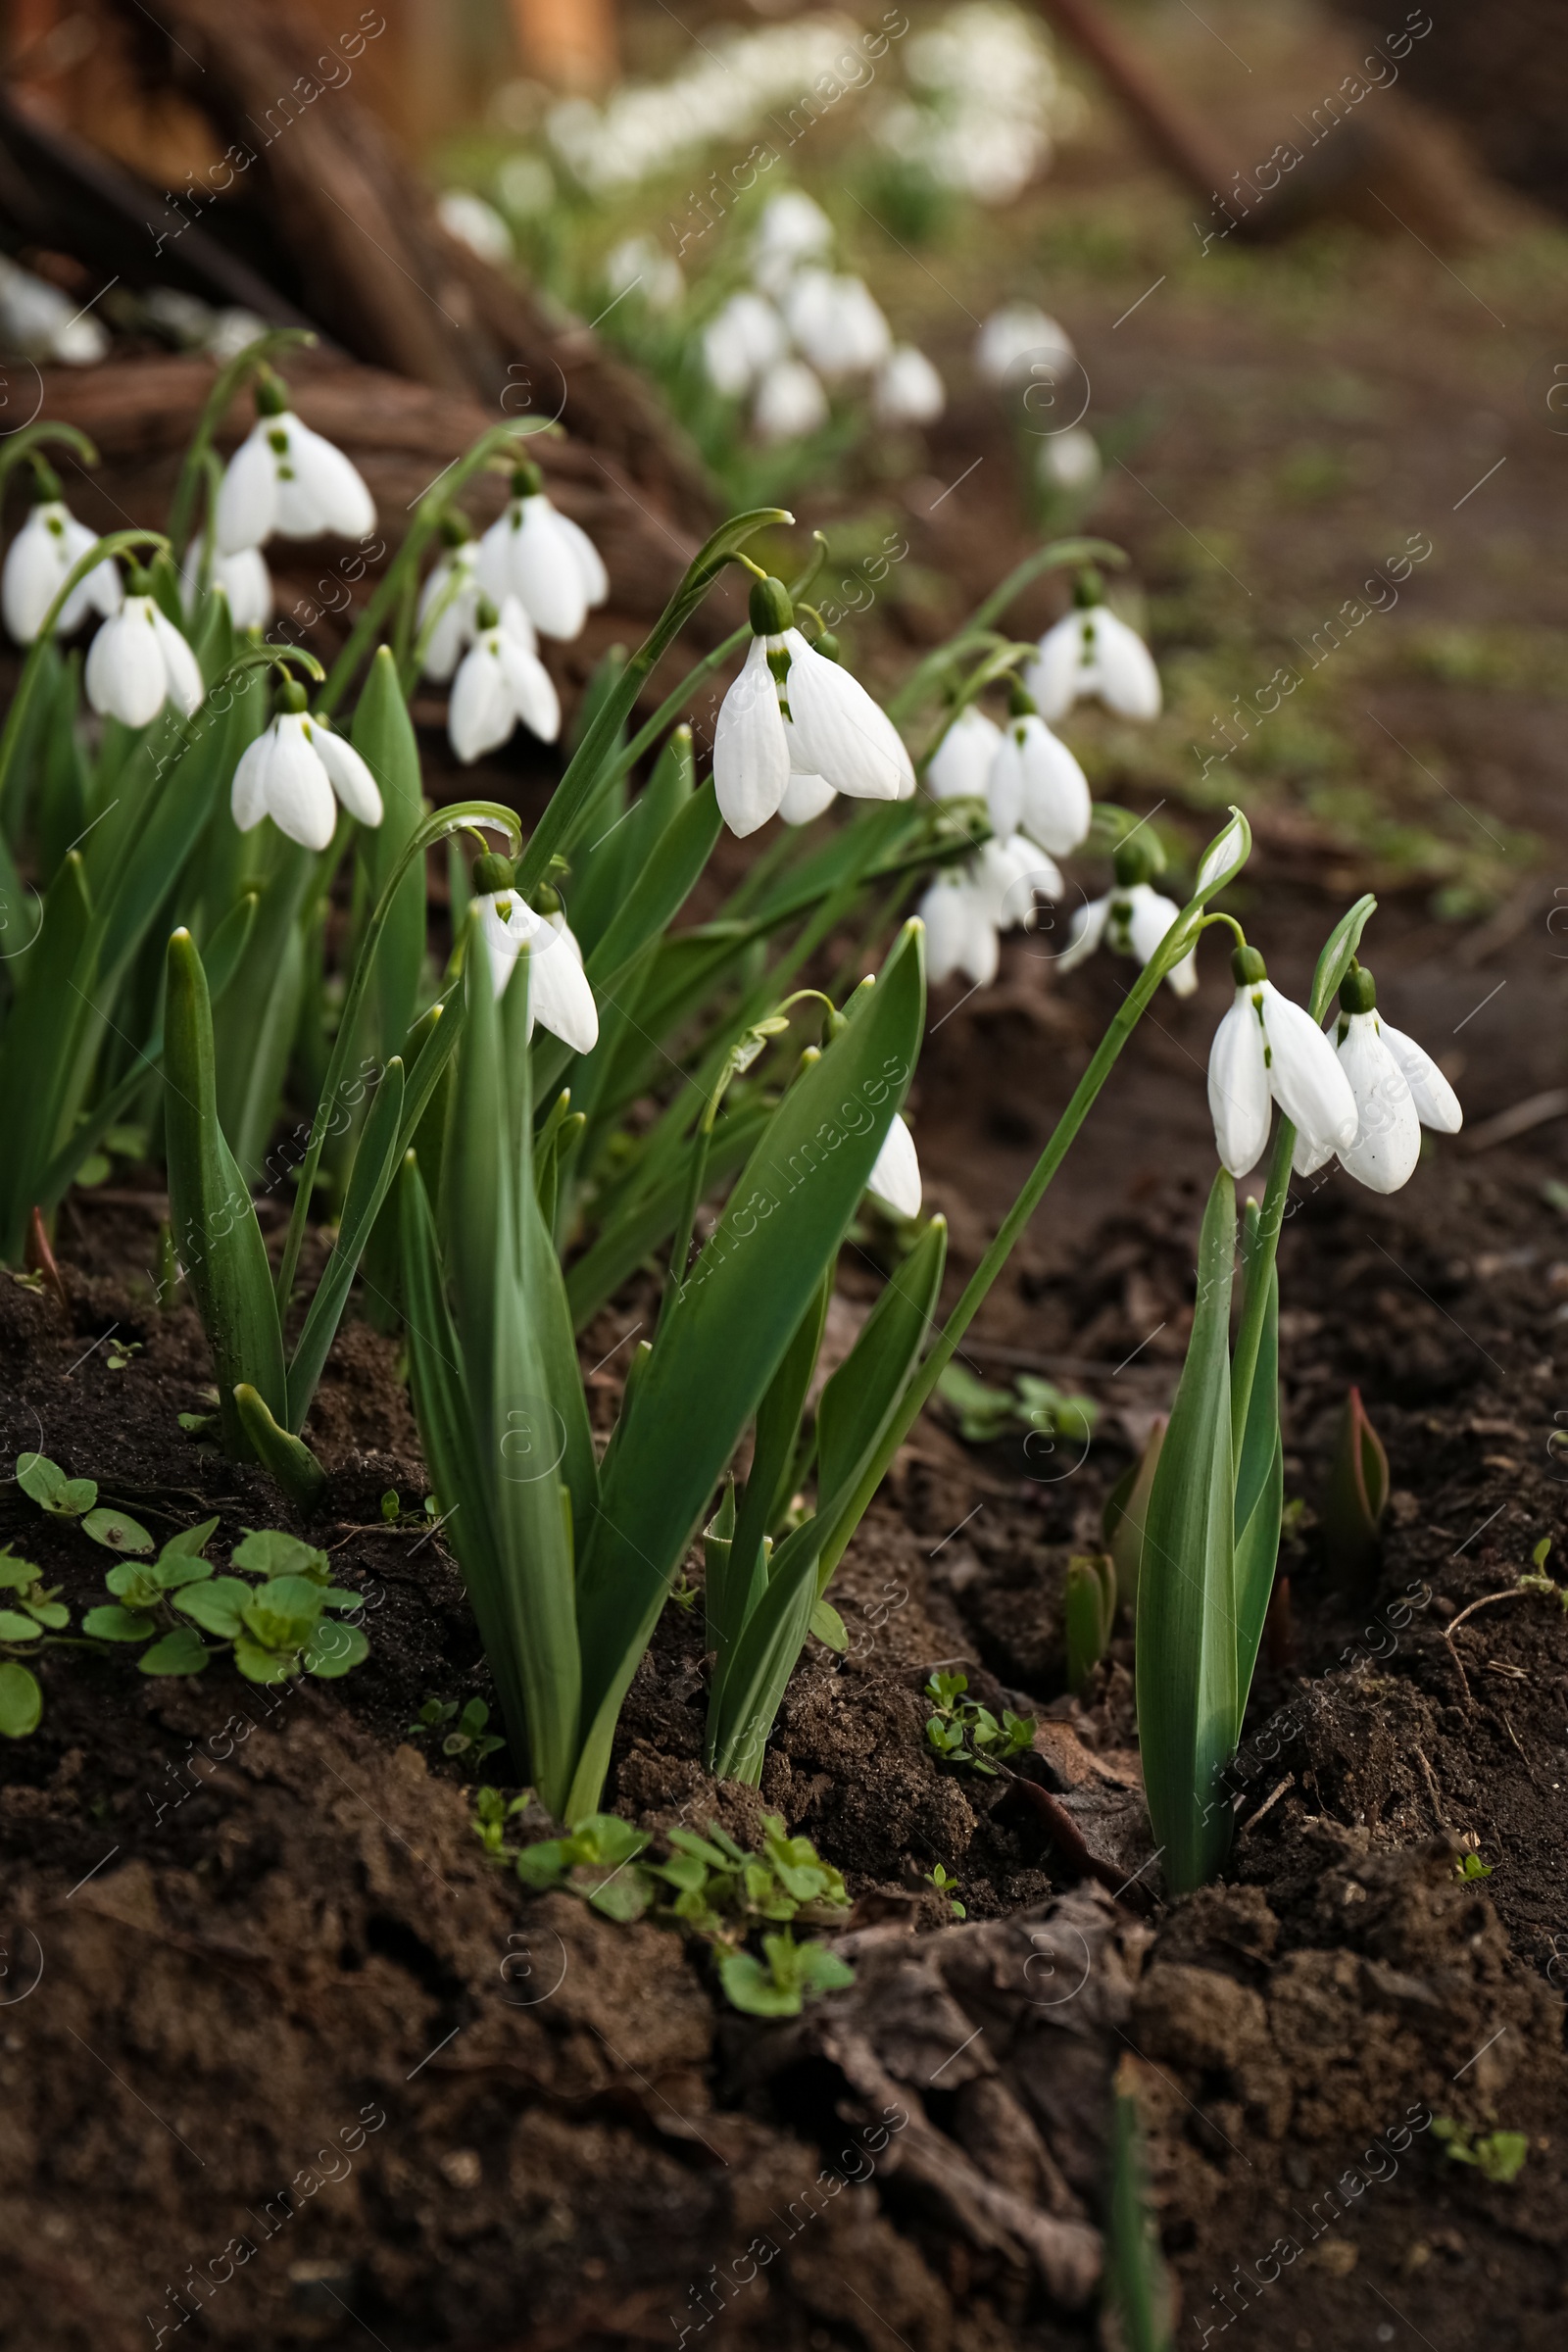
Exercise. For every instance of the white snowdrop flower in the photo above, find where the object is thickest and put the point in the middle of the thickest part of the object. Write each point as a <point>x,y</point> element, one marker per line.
<point>475,223</point>
<point>908,388</point>
<point>287,479</point>
<point>501,683</point>
<point>895,1179</point>
<point>959,935</point>
<point>245,581</point>
<point>1070,460</point>
<point>452,594</point>
<point>805,795</point>
<point>138,662</point>
<point>560,996</point>
<point>1398,1088</point>
<point>959,768</point>
<point>1037,786</point>
<point>790,403</point>
<point>637,262</point>
<point>837,323</point>
<point>1131,920</point>
<point>41,322</point>
<point>1014,336</point>
<point>1005,875</point>
<point>543,558</point>
<point>1090,651</point>
<point>296,772</point>
<point>792,229</point>
<point>835,733</point>
<point>741,342</point>
<point>40,560</point>
<point>1266,1051</point>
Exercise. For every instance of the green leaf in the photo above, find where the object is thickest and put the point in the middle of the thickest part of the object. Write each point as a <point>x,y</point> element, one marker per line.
<point>14,1627</point>
<point>190,1542</point>
<point>47,1016</point>
<point>1260,1487</point>
<point>829,1626</point>
<point>1339,953</point>
<point>1126,1509</point>
<point>48,1486</point>
<point>211,1211</point>
<point>742,1575</point>
<point>287,1458</point>
<point>269,1552</point>
<point>376,1163</point>
<point>861,1397</point>
<point>383,736</point>
<point>263,1665</point>
<point>117,1531</point>
<point>1187,1627</point>
<point>21,1700</point>
<point>1089,1613</point>
<point>332,1649</point>
<point>723,1336</point>
<point>135,1583</point>
<point>111,1623</point>
<point>217,1607</point>
<point>51,1613</point>
<point>183,1652</point>
<point>661,885</point>
<point>283,1613</point>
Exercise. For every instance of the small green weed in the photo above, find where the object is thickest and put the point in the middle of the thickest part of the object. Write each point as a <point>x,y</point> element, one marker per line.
<point>1497,2156</point>
<point>961,1731</point>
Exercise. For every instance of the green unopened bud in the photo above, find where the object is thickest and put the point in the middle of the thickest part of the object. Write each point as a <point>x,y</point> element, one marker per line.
<point>1247,967</point>
<point>1137,858</point>
<point>546,900</point>
<point>491,874</point>
<point>292,697</point>
<point>526,479</point>
<point>1088,589</point>
<point>455,531</point>
<point>772,612</point>
<point>138,581</point>
<point>271,394</point>
<point>485,615</point>
<point>1020,702</point>
<point>1357,992</point>
<point>827,645</point>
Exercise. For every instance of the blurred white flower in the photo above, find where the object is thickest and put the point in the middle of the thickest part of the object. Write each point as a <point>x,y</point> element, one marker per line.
<point>1091,652</point>
<point>245,581</point>
<point>451,593</point>
<point>285,478</point>
<point>296,772</point>
<point>1013,336</point>
<point>1131,920</point>
<point>476,224</point>
<point>1038,787</point>
<point>741,342</point>
<point>39,561</point>
<point>964,914</point>
<point>837,323</point>
<point>42,324</point>
<point>137,663</point>
<point>959,768</point>
<point>789,402</point>
<point>908,388</point>
<point>894,1178</point>
<point>637,262</point>
<point>541,557</point>
<point>792,229</point>
<point>1070,460</point>
<point>501,683</point>
<point>992,103</point>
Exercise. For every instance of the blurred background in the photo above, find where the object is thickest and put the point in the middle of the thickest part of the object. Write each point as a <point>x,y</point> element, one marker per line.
<point>1272,295</point>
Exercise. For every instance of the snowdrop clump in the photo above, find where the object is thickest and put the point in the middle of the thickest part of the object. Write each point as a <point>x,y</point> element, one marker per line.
<point>990,104</point>
<point>802,326</point>
<point>637,263</point>
<point>1267,1049</point>
<point>965,912</point>
<point>41,559</point>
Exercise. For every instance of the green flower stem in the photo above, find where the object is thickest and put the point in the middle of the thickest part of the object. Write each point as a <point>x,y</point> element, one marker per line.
<point>405,564</point>
<point>229,379</point>
<point>446,820</point>
<point>22,444</point>
<point>1250,1334</point>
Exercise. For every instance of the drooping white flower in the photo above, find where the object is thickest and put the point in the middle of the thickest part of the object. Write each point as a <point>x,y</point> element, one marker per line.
<point>287,479</point>
<point>296,772</point>
<point>790,403</point>
<point>638,263</point>
<point>1014,336</point>
<point>907,389</point>
<point>959,768</point>
<point>476,224</point>
<point>543,558</point>
<point>1131,920</point>
<point>1036,786</point>
<point>245,581</point>
<point>1090,651</point>
<point>792,229</point>
<point>835,733</point>
<point>837,323</point>
<point>41,322</point>
<point>1266,1051</point>
<point>501,683</point>
<point>560,996</point>
<point>137,663</point>
<point>895,1180</point>
<point>39,561</point>
<point>1398,1090</point>
<point>741,342</point>
<point>1070,459</point>
<point>964,914</point>
<point>452,593</point>
<point>807,795</point>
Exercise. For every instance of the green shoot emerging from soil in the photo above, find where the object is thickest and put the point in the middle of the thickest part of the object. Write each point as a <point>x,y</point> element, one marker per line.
<point>963,1732</point>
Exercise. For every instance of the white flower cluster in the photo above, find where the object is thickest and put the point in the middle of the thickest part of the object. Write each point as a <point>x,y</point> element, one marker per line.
<point>802,326</point>
<point>990,104</point>
<point>1036,800</point>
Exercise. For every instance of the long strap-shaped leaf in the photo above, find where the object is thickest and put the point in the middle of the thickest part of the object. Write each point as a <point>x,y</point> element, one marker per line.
<point>730,1595</point>
<point>1187,1634</point>
<point>41,1030</point>
<point>210,1210</point>
<point>376,1163</point>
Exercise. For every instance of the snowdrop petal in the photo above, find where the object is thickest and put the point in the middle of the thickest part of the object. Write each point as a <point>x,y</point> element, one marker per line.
<point>559,998</point>
<point>1055,806</point>
<point>1388,1137</point>
<point>751,751</point>
<point>125,677</point>
<point>34,572</point>
<point>590,562</point>
<point>842,733</point>
<point>183,671</point>
<point>789,402</point>
<point>492,566</point>
<point>248,585</point>
<point>546,573</point>
<point>531,687</point>
<point>1303,1073</point>
<point>1005,783</point>
<point>1127,680</point>
<point>1051,681</point>
<point>1239,1085</point>
<point>908,388</point>
<point>515,624</point>
<point>946,915</point>
<point>507,925</point>
<point>1149,916</point>
<point>299,790</point>
<point>895,1179</point>
<point>351,779</point>
<point>1087,930</point>
<point>960,766</point>
<point>805,797</point>
<point>481,713</point>
<point>1308,1158</point>
<point>247,497</point>
<point>332,490</point>
<point>247,795</point>
<point>1436,1103</point>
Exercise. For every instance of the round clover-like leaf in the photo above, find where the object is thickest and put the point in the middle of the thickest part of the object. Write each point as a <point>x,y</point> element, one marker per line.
<point>284,1612</point>
<point>109,1623</point>
<point>334,1649</point>
<point>14,1627</point>
<point>269,1552</point>
<point>218,1607</point>
<point>259,1665</point>
<point>183,1652</point>
<point>52,1613</point>
<point>171,1570</point>
<point>134,1584</point>
<point>21,1702</point>
<point>117,1531</point>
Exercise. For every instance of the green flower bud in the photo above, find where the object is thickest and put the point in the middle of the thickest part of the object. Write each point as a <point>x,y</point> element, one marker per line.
<point>1247,967</point>
<point>772,612</point>
<point>491,874</point>
<point>1357,993</point>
